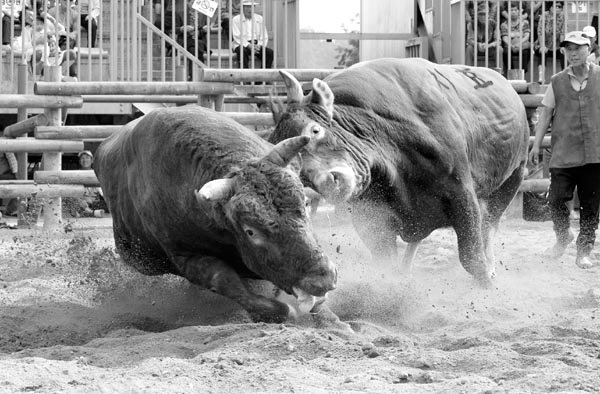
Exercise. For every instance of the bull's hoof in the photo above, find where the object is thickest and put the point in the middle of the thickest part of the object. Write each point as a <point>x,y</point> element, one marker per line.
<point>324,318</point>
<point>485,281</point>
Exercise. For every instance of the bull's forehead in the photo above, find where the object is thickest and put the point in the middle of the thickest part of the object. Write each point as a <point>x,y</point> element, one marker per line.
<point>294,121</point>
<point>273,187</point>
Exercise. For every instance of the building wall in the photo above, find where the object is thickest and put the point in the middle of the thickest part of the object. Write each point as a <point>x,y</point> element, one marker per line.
<point>385,16</point>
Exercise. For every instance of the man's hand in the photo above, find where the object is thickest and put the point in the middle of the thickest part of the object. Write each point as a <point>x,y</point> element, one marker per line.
<point>534,154</point>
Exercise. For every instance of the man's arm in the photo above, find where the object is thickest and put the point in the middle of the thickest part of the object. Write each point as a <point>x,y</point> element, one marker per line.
<point>544,120</point>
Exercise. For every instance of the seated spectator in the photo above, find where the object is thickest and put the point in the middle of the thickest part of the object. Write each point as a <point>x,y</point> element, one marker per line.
<point>90,11</point>
<point>11,12</point>
<point>590,32</point>
<point>92,203</point>
<point>250,36</point>
<point>516,41</point>
<point>8,171</point>
<point>486,41</point>
<point>191,30</point>
<point>37,41</point>
<point>66,15</point>
<point>550,28</point>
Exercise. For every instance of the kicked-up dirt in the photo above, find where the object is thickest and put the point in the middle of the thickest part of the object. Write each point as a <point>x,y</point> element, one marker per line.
<point>74,319</point>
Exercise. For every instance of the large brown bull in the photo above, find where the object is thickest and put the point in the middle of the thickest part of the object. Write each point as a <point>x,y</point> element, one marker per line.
<point>195,194</point>
<point>412,146</point>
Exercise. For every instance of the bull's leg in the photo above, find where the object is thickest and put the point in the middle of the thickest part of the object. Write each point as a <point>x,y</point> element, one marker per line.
<point>215,275</point>
<point>496,204</point>
<point>409,255</point>
<point>374,224</point>
<point>465,218</point>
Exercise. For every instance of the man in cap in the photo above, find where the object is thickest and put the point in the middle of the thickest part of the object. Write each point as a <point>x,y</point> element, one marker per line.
<point>571,104</point>
<point>250,36</point>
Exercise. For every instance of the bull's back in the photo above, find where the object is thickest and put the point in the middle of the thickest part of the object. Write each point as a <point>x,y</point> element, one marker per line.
<point>470,107</point>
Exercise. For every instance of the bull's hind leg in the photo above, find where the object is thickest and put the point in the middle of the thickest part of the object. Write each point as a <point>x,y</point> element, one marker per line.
<point>216,275</point>
<point>495,206</point>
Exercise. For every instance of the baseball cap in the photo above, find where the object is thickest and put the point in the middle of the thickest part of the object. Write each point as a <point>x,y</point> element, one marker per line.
<point>249,2</point>
<point>85,152</point>
<point>575,37</point>
<point>589,31</point>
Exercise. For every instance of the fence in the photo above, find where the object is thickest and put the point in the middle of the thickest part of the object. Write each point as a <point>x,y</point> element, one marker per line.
<point>219,86</point>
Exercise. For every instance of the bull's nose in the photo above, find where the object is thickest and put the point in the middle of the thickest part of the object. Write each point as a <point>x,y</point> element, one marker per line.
<point>321,279</point>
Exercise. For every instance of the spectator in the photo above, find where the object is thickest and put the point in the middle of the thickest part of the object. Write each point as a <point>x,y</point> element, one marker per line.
<point>487,41</point>
<point>571,104</point>
<point>8,171</point>
<point>250,36</point>
<point>515,38</point>
<point>90,11</point>
<point>38,36</point>
<point>92,203</point>
<point>590,33</point>
<point>191,30</point>
<point>11,12</point>
<point>67,16</point>
<point>550,30</point>
<point>235,10</point>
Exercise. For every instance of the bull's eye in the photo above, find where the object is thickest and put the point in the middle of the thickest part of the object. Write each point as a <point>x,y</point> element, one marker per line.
<point>255,236</point>
<point>316,129</point>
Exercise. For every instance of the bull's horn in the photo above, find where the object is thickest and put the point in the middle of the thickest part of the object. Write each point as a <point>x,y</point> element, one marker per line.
<point>218,189</point>
<point>294,89</point>
<point>286,150</point>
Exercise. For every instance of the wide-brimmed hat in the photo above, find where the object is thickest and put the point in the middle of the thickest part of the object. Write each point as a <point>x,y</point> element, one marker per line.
<point>249,2</point>
<point>576,37</point>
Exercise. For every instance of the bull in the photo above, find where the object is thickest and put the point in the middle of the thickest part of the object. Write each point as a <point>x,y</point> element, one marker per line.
<point>195,194</point>
<point>412,146</point>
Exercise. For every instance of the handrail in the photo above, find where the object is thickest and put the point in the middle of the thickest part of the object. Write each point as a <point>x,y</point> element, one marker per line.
<point>188,55</point>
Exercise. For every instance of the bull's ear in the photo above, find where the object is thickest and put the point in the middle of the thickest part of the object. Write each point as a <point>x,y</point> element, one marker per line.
<point>294,89</point>
<point>322,95</point>
<point>218,189</point>
<point>276,106</point>
<point>286,150</point>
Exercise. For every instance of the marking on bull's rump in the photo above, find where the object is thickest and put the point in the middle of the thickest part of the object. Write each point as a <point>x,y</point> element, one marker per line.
<point>479,82</point>
<point>440,82</point>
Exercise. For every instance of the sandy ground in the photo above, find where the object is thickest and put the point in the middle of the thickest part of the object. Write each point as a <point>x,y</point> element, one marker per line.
<point>74,319</point>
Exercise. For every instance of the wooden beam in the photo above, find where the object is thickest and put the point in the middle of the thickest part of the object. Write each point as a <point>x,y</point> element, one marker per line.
<point>538,185</point>
<point>78,177</point>
<point>130,88</point>
<point>75,132</point>
<point>14,190</point>
<point>36,146</point>
<point>236,75</point>
<point>25,126</point>
<point>252,118</point>
<point>33,101</point>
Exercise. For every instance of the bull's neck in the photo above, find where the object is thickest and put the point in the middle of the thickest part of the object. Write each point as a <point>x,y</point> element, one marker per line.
<point>369,140</point>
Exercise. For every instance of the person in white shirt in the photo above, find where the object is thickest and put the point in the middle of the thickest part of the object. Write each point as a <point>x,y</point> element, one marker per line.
<point>250,34</point>
<point>90,11</point>
<point>11,11</point>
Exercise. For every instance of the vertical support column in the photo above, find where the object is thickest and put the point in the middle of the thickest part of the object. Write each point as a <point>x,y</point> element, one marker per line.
<point>52,161</point>
<point>22,157</point>
<point>206,101</point>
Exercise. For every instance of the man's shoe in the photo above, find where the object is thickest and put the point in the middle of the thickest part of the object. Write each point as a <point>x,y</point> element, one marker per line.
<point>584,262</point>
<point>560,246</point>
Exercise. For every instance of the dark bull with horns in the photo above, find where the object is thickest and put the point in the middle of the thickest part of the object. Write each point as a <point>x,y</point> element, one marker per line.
<point>195,194</point>
<point>412,146</point>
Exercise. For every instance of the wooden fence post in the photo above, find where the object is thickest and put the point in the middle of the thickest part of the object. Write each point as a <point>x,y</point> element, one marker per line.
<point>52,161</point>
